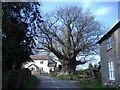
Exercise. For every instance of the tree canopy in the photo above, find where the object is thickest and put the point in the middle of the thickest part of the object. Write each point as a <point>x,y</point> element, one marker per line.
<point>18,32</point>
<point>70,32</point>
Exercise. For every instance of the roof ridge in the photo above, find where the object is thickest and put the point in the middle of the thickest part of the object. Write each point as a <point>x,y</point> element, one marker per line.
<point>113,29</point>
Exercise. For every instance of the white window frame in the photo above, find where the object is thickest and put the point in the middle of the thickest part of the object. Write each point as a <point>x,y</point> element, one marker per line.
<point>109,43</point>
<point>111,70</point>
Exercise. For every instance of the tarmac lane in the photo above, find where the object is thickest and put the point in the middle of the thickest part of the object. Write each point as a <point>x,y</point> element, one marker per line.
<point>48,83</point>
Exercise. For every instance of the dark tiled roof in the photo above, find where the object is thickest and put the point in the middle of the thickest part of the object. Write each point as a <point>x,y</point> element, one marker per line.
<point>51,63</point>
<point>110,32</point>
<point>33,65</point>
<point>39,57</point>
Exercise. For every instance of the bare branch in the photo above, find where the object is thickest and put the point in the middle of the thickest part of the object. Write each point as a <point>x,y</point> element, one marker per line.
<point>70,31</point>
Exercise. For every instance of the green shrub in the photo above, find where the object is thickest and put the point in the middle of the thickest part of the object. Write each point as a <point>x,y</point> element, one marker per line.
<point>54,75</point>
<point>10,79</point>
<point>87,83</point>
<point>63,76</point>
<point>26,71</point>
<point>16,79</point>
<point>32,82</point>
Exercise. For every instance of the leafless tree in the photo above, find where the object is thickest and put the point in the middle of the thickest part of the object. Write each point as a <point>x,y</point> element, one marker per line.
<point>70,32</point>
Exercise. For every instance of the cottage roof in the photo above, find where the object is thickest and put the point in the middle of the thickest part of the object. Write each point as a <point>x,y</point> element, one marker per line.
<point>39,57</point>
<point>110,32</point>
<point>33,65</point>
<point>51,63</point>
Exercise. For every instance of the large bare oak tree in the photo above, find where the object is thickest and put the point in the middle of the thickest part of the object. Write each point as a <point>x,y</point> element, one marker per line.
<point>70,32</point>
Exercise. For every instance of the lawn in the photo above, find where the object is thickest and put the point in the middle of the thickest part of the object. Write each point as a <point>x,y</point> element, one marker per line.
<point>94,85</point>
<point>85,83</point>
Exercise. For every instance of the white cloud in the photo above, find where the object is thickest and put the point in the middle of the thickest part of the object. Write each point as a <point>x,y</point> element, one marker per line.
<point>80,0</point>
<point>103,11</point>
<point>86,4</point>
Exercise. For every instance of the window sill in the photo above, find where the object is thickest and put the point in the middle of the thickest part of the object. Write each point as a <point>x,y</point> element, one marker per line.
<point>112,81</point>
<point>109,49</point>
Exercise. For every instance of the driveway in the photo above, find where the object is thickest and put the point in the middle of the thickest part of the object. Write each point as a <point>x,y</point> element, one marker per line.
<point>47,82</point>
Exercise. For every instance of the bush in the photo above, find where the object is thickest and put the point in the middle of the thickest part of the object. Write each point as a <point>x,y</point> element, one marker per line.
<point>10,79</point>
<point>26,71</point>
<point>63,76</point>
<point>32,82</point>
<point>16,79</point>
<point>24,76</point>
<point>53,75</point>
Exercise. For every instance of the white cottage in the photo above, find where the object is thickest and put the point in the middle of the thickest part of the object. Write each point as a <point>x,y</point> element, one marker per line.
<point>41,63</point>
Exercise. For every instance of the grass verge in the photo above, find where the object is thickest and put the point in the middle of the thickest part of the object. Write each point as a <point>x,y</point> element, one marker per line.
<point>32,82</point>
<point>85,83</point>
<point>61,76</point>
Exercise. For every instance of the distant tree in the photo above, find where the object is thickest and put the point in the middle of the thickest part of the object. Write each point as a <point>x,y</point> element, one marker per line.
<point>96,70</point>
<point>18,32</point>
<point>70,32</point>
<point>90,69</point>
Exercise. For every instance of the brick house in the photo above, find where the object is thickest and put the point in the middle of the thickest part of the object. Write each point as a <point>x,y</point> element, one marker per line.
<point>110,56</point>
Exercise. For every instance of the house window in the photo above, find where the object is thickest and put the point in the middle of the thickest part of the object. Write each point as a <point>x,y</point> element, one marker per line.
<point>109,43</point>
<point>41,62</point>
<point>41,68</point>
<point>111,71</point>
<point>33,69</point>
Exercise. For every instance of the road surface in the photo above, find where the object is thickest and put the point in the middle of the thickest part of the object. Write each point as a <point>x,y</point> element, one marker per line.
<point>47,82</point>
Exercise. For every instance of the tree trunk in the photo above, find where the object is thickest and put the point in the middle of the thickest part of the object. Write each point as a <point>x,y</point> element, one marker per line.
<point>68,67</point>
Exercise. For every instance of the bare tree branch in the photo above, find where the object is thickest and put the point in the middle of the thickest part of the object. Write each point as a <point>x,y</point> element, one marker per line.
<point>70,32</point>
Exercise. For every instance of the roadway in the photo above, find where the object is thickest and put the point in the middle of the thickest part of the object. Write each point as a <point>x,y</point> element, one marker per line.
<point>47,82</point>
